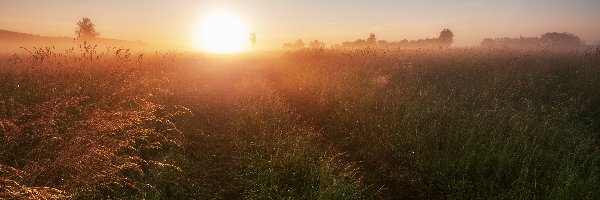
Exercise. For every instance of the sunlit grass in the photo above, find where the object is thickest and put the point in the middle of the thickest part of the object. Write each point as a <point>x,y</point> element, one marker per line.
<point>310,124</point>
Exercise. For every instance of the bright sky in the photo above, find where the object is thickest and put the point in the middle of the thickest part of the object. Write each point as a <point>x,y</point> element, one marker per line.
<point>332,21</point>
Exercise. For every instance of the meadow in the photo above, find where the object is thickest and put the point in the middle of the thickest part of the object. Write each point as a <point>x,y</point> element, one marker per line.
<point>450,123</point>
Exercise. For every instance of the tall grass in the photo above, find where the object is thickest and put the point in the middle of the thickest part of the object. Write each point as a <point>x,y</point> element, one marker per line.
<point>245,141</point>
<point>457,123</point>
<point>84,122</point>
<point>94,122</point>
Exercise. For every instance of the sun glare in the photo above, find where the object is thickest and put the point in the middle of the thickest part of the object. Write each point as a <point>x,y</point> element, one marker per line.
<point>222,32</point>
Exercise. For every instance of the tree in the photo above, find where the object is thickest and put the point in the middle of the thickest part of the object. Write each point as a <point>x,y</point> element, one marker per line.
<point>446,37</point>
<point>383,43</point>
<point>372,40</point>
<point>360,43</point>
<point>86,29</point>
<point>299,44</point>
<point>488,43</point>
<point>316,44</point>
<point>253,39</point>
<point>561,39</point>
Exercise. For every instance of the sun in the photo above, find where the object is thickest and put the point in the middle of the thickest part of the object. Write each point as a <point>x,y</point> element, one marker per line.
<point>222,32</point>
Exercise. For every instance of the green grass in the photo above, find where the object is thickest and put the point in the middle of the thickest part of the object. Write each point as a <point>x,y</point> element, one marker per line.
<point>309,124</point>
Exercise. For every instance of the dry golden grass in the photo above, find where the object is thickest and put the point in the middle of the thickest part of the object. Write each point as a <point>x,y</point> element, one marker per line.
<point>96,123</point>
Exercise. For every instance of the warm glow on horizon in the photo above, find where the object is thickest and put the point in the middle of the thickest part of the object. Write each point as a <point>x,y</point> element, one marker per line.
<point>222,32</point>
<point>278,22</point>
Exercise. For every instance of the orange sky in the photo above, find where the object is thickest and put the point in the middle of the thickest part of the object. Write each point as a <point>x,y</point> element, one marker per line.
<point>275,22</point>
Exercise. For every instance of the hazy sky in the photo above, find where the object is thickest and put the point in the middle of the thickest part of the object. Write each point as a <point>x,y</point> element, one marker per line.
<point>332,21</point>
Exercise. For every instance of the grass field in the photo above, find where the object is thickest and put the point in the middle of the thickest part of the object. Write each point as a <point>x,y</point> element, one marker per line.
<point>459,123</point>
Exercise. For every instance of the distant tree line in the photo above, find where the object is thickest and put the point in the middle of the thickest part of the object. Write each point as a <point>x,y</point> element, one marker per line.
<point>299,44</point>
<point>445,39</point>
<point>546,40</point>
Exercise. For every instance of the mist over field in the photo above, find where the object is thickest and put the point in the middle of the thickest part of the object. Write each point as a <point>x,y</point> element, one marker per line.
<point>264,101</point>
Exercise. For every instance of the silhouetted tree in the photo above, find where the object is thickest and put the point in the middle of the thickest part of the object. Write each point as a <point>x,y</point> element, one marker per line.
<point>383,43</point>
<point>299,43</point>
<point>317,44</point>
<point>488,42</point>
<point>359,43</point>
<point>547,40</point>
<point>371,40</point>
<point>560,39</point>
<point>403,42</point>
<point>86,29</point>
<point>446,37</point>
<point>253,39</point>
